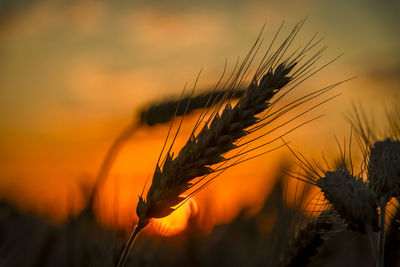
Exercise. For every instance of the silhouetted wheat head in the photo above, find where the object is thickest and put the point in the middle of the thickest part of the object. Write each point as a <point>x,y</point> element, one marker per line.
<point>381,150</point>
<point>354,199</point>
<point>151,115</point>
<point>205,155</point>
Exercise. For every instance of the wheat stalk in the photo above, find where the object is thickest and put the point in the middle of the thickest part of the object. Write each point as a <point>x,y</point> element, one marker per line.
<point>383,172</point>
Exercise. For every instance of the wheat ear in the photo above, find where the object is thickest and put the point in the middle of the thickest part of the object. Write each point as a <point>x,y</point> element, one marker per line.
<point>202,151</point>
<point>351,198</point>
<point>382,160</point>
<point>207,147</point>
<point>220,134</point>
<point>155,114</point>
<point>383,172</point>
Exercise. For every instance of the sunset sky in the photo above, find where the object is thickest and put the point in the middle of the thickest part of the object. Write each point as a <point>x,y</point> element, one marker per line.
<point>73,74</point>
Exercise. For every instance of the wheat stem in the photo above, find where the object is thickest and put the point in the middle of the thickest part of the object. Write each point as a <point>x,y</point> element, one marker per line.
<point>382,228</point>
<point>109,159</point>
<point>128,246</point>
<point>373,242</point>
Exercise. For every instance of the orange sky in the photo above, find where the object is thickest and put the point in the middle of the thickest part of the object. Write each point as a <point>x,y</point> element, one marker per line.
<point>71,76</point>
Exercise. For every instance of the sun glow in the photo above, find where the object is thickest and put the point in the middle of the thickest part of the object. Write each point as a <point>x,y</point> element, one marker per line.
<point>176,221</point>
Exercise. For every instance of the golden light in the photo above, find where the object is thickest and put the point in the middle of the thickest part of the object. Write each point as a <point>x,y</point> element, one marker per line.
<point>65,122</point>
<point>176,221</point>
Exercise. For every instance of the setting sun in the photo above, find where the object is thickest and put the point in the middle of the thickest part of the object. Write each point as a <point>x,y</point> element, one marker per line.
<point>176,221</point>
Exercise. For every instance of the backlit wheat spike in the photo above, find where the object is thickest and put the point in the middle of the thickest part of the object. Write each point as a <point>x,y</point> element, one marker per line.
<point>382,159</point>
<point>354,202</point>
<point>153,115</point>
<point>351,198</point>
<point>383,173</point>
<point>205,151</point>
<point>384,169</point>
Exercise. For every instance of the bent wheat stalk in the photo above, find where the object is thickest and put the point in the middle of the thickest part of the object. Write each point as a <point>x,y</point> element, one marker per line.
<point>205,151</point>
<point>165,111</point>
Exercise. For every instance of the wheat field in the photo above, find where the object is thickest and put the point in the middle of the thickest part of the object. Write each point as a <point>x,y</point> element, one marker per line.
<point>188,134</point>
